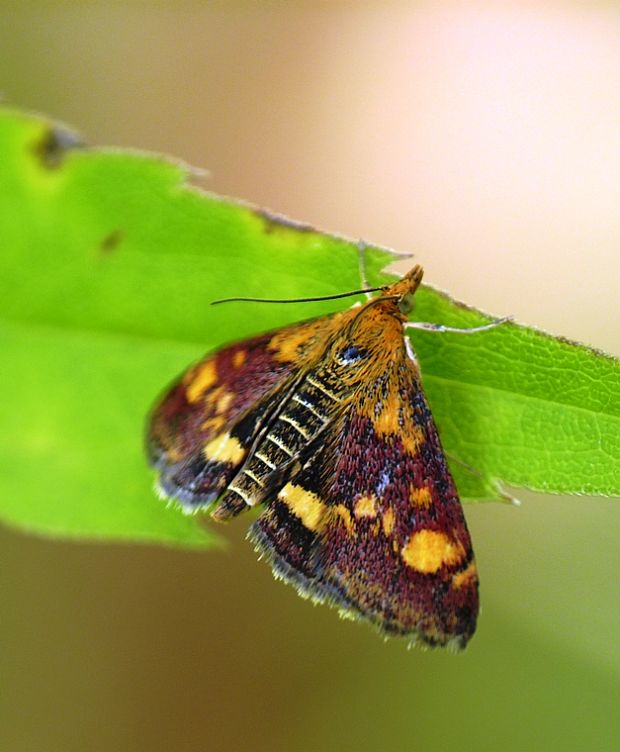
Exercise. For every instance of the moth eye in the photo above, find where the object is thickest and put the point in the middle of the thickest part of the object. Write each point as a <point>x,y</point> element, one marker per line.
<point>351,354</point>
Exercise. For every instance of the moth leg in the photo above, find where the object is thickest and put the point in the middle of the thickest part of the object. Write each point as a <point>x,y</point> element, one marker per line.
<point>501,491</point>
<point>471,470</point>
<point>363,272</point>
<point>428,327</point>
<point>507,498</point>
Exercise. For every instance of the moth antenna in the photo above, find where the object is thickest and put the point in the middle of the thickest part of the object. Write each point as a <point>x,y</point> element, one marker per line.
<point>349,294</point>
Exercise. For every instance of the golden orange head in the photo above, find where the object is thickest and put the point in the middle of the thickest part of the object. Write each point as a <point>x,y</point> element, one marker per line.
<point>405,288</point>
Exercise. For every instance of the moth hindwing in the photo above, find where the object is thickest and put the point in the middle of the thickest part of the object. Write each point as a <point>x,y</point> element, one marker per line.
<point>325,425</point>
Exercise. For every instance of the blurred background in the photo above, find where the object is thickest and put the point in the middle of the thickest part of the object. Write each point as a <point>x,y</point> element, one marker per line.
<point>485,138</point>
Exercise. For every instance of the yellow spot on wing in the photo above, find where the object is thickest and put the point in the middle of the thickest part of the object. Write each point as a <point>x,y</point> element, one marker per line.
<point>388,521</point>
<point>239,358</point>
<point>464,577</point>
<point>428,550</point>
<point>365,506</point>
<point>289,344</point>
<point>389,420</point>
<point>224,401</point>
<point>413,439</point>
<point>219,399</point>
<point>345,516</point>
<point>201,380</point>
<point>174,454</point>
<point>304,504</point>
<point>213,424</point>
<point>420,497</point>
<point>224,448</point>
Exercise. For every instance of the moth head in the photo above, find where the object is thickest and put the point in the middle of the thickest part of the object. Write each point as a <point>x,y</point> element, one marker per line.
<point>404,289</point>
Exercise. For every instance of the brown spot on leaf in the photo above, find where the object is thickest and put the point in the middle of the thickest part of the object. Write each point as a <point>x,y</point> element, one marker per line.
<point>51,148</point>
<point>111,241</point>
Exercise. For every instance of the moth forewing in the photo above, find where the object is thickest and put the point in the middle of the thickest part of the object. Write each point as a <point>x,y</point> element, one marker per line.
<point>326,426</point>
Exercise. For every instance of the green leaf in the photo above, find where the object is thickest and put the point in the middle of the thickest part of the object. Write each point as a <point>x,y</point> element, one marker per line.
<point>109,261</point>
<point>521,407</point>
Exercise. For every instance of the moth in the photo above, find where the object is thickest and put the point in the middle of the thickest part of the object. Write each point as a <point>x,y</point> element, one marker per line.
<point>324,425</point>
